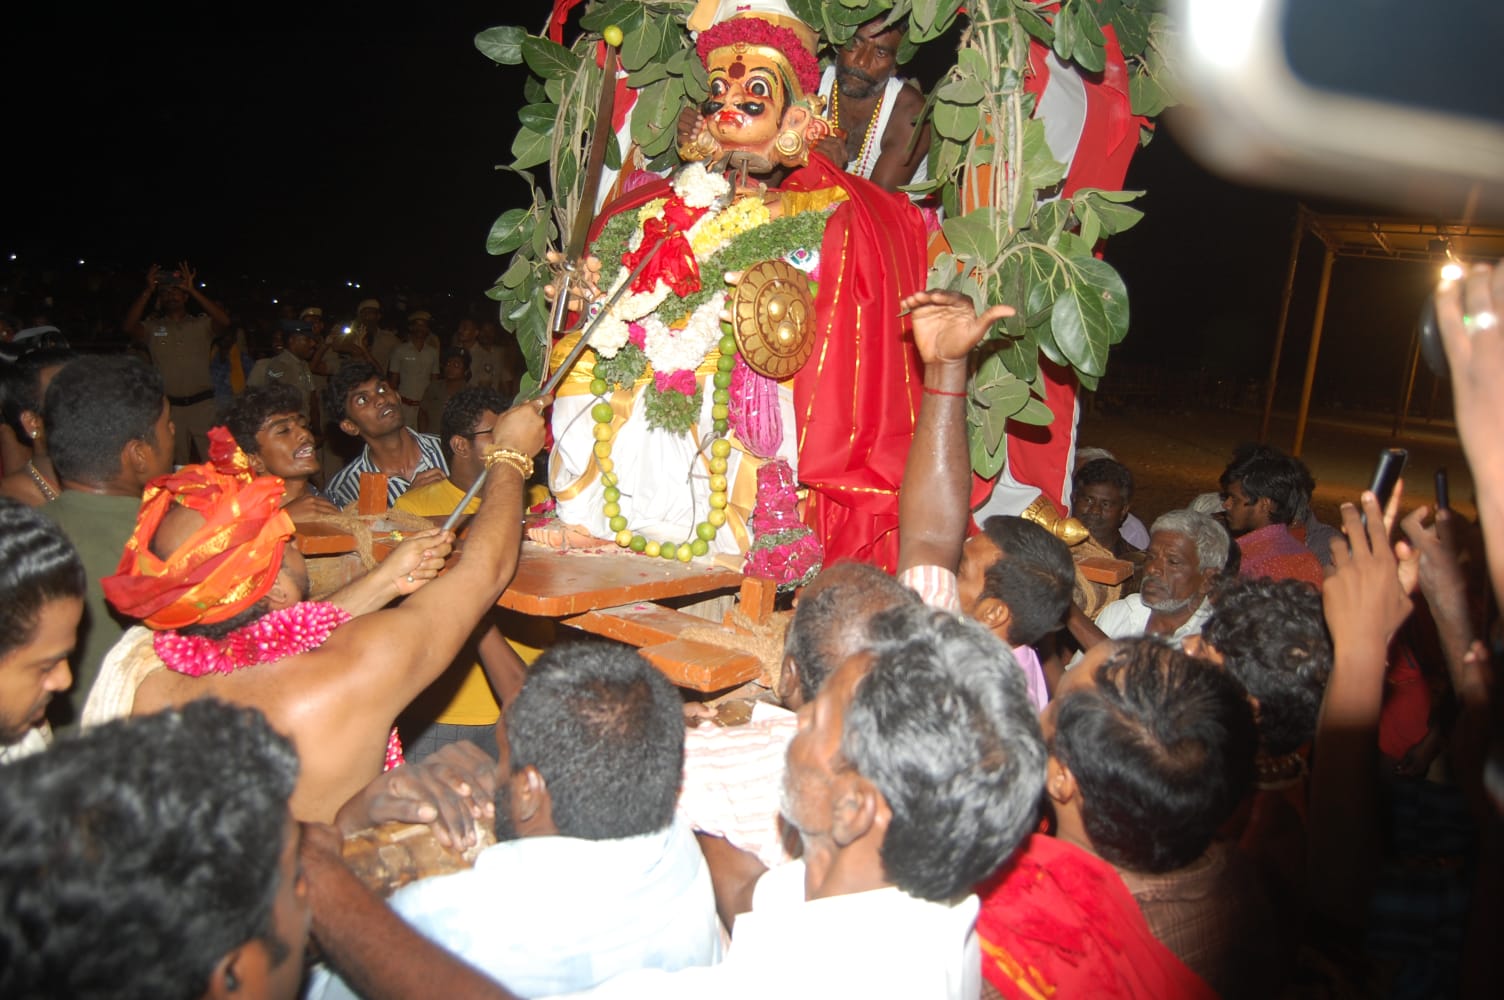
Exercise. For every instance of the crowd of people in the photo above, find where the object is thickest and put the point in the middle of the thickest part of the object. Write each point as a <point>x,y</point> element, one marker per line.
<point>1069,753</point>
<point>963,782</point>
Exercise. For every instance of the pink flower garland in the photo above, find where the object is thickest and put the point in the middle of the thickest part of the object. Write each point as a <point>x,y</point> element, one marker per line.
<point>784,550</point>
<point>274,636</point>
<point>755,416</point>
<point>681,381</point>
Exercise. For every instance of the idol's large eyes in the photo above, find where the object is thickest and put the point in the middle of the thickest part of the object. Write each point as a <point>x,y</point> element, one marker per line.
<point>719,86</point>
<point>758,87</point>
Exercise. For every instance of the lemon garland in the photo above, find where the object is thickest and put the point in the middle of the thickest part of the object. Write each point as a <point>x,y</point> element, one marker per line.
<point>697,544</point>
<point>740,236</point>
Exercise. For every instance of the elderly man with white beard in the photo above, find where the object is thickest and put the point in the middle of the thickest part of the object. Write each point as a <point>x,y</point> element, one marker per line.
<point>1186,553</point>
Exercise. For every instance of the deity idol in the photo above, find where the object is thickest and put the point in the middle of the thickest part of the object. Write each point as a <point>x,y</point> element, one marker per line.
<point>660,430</point>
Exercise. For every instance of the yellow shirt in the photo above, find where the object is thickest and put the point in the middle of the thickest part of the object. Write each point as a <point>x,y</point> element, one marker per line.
<point>471,703</point>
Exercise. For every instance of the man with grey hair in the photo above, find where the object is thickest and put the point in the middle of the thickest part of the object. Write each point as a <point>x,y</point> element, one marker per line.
<point>1186,553</point>
<point>915,774</point>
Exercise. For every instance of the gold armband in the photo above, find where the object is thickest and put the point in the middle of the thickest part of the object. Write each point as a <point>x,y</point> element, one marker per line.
<point>515,459</point>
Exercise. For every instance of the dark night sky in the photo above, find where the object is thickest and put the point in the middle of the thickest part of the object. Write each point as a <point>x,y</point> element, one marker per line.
<point>311,141</point>
<point>329,144</point>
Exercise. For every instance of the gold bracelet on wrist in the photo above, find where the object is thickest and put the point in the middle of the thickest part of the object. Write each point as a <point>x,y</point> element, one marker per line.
<point>515,459</point>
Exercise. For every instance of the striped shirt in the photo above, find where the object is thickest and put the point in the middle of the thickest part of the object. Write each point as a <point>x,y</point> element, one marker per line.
<point>733,780</point>
<point>344,486</point>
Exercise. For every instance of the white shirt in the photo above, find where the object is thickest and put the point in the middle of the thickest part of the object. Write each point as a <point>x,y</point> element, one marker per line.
<point>1129,617</point>
<point>545,915</point>
<point>880,943</point>
<point>1134,532</point>
<point>37,739</point>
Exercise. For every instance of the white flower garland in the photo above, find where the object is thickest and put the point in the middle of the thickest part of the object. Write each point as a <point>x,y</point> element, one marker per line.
<point>698,187</point>
<point>671,350</point>
<point>611,335</point>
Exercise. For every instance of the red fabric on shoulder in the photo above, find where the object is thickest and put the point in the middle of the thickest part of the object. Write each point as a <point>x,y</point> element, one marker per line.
<point>857,398</point>
<point>1059,922</point>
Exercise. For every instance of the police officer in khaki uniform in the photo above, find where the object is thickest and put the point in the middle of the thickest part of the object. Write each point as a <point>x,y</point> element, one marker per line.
<point>179,345</point>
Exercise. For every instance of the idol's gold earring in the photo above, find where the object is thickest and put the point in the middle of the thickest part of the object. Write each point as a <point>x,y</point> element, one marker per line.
<point>790,146</point>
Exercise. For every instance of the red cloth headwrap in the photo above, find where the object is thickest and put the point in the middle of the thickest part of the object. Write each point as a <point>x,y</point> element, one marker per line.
<point>229,563</point>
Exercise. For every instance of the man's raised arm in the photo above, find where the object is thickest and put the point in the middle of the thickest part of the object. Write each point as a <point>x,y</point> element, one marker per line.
<point>132,325</point>
<point>212,309</point>
<point>934,502</point>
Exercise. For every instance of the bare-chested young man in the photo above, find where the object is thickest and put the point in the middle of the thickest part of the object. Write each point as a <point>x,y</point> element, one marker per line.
<point>209,572</point>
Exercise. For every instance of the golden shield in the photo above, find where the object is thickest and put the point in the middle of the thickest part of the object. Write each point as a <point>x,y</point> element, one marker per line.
<point>773,316</point>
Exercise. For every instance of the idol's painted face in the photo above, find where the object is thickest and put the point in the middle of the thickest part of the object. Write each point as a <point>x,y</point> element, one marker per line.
<point>746,101</point>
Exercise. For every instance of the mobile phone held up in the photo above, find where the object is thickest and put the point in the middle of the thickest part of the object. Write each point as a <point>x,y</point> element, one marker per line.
<point>169,279</point>
<point>1386,475</point>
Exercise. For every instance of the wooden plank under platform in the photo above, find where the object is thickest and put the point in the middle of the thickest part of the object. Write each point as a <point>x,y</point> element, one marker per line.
<point>638,624</point>
<point>702,666</point>
<point>559,583</point>
<point>607,592</point>
<point>314,539</point>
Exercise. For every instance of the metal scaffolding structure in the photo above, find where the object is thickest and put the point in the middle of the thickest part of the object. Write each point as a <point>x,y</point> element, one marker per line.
<point>1402,241</point>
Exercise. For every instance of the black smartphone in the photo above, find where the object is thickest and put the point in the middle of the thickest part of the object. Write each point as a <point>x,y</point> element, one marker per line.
<point>1431,347</point>
<point>1443,501</point>
<point>1387,473</point>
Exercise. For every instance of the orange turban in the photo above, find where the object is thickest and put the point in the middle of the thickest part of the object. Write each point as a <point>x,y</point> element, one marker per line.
<point>228,564</point>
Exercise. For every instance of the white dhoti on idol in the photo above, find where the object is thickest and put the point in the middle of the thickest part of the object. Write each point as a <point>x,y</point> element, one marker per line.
<point>650,351</point>
<point>663,476</point>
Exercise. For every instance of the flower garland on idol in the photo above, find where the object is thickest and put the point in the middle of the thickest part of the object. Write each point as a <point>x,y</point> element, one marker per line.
<point>670,319</point>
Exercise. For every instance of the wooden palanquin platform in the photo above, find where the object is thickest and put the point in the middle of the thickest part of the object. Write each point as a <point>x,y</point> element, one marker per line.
<point>611,593</point>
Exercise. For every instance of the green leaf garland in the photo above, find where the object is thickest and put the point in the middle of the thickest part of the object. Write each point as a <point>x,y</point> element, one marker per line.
<point>767,242</point>
<point>770,241</point>
<point>624,369</point>
<point>670,410</point>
